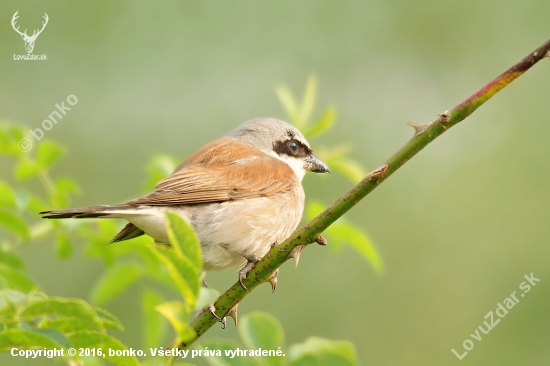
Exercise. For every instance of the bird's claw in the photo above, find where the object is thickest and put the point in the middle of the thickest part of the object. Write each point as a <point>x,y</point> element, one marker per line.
<point>231,313</point>
<point>249,266</point>
<point>212,310</point>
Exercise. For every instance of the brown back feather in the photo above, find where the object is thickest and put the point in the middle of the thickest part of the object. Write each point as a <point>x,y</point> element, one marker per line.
<point>223,170</point>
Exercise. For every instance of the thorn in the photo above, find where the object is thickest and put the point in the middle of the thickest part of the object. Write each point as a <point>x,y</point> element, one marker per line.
<point>378,173</point>
<point>321,240</point>
<point>419,128</point>
<point>224,322</point>
<point>233,313</point>
<point>295,253</point>
<point>273,280</point>
<point>444,117</point>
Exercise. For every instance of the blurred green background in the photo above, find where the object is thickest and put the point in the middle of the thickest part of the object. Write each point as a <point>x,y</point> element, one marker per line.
<point>458,227</point>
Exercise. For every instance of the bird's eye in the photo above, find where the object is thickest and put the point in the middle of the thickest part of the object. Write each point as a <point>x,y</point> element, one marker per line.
<point>293,145</point>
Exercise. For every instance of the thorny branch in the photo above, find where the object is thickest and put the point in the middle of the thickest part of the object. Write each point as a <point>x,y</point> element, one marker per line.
<point>291,248</point>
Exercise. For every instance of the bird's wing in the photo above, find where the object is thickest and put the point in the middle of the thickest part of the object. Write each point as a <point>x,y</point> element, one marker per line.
<point>223,170</point>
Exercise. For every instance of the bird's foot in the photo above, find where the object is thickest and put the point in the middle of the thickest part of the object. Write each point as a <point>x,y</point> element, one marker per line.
<point>243,273</point>
<point>212,310</point>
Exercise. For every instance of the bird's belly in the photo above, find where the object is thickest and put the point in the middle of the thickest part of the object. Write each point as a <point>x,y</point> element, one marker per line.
<point>230,233</point>
<point>151,219</point>
<point>233,232</point>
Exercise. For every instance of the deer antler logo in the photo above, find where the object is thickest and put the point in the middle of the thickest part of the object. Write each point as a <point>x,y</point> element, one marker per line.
<point>29,40</point>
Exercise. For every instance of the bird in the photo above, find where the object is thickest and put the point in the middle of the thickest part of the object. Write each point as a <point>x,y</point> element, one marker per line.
<point>241,193</point>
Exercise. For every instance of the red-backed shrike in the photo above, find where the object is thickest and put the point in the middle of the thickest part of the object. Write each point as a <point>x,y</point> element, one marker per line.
<point>241,193</point>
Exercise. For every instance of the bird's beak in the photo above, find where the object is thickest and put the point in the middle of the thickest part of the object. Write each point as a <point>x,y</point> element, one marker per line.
<point>313,163</point>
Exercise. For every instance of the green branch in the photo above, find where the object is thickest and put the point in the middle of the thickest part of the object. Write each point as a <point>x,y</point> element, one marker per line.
<point>424,134</point>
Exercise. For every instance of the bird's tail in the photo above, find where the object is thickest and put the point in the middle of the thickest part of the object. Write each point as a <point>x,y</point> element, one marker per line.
<point>130,231</point>
<point>88,212</point>
<point>79,213</point>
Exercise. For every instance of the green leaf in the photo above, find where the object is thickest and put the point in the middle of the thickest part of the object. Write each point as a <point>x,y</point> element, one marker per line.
<point>48,153</point>
<point>5,140</point>
<point>225,360</point>
<point>55,306</point>
<point>26,169</point>
<point>114,281</point>
<point>90,339</point>
<point>16,279</point>
<point>159,361</point>
<point>14,223</point>
<point>153,327</point>
<point>66,185</point>
<point>349,168</point>
<point>24,339</point>
<point>11,259</point>
<point>10,138</point>
<point>99,233</point>
<point>336,158</point>
<point>69,324</point>
<point>182,272</point>
<point>9,301</point>
<point>108,319</point>
<point>53,334</point>
<point>299,114</point>
<point>153,267</point>
<point>35,205</point>
<point>183,239</point>
<point>63,245</point>
<point>262,330</point>
<point>177,314</point>
<point>308,103</point>
<point>320,352</point>
<point>43,228</point>
<point>206,297</point>
<point>16,298</point>
<point>323,124</point>
<point>345,233</point>
<point>289,103</point>
<point>7,197</point>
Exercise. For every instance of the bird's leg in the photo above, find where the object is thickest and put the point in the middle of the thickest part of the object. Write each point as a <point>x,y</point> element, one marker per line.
<point>248,267</point>
<point>211,308</point>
